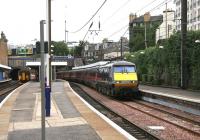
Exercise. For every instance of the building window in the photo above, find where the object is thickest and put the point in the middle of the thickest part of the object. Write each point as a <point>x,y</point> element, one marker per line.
<point>194,5</point>
<point>105,45</point>
<point>86,47</point>
<point>97,47</point>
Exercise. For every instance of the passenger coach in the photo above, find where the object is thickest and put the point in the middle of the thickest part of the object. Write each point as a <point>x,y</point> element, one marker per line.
<point>117,78</point>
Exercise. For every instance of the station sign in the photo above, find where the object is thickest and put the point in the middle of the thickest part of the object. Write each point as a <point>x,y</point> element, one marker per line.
<point>24,51</point>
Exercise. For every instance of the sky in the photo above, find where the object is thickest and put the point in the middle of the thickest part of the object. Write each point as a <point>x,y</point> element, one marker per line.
<point>20,18</point>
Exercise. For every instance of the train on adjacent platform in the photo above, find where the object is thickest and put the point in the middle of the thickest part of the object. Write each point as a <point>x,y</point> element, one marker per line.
<point>116,78</point>
<point>23,75</point>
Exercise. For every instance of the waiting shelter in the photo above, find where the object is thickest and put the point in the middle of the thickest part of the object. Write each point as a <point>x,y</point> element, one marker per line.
<point>4,72</point>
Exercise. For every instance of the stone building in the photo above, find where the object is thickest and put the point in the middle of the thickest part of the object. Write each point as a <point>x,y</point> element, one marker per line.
<point>4,69</point>
<point>3,50</point>
<point>142,30</point>
<point>108,50</point>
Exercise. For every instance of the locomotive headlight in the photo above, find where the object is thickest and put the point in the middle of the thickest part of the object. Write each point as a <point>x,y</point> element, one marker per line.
<point>133,81</point>
<point>117,82</point>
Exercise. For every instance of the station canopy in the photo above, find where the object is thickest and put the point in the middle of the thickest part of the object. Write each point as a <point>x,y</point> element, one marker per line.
<point>52,63</point>
<point>4,67</point>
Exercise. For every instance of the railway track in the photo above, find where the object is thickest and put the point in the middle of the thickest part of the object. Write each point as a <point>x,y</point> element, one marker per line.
<point>131,128</point>
<point>7,87</point>
<point>175,124</point>
<point>178,114</point>
<point>174,119</point>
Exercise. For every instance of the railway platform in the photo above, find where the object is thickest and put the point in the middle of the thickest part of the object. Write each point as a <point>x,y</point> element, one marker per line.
<point>193,96</point>
<point>184,100</point>
<point>6,80</point>
<point>71,118</point>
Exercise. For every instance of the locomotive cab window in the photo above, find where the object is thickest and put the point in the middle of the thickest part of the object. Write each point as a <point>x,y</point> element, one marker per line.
<point>118,69</point>
<point>122,69</point>
<point>129,69</point>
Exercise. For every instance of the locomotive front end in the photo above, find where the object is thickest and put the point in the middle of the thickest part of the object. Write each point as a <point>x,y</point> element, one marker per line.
<point>125,80</point>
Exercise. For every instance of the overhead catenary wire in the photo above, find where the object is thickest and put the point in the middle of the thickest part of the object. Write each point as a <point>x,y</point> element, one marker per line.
<point>154,8</point>
<point>112,14</point>
<point>88,31</point>
<point>137,11</point>
<point>118,31</point>
<point>125,32</point>
<point>115,12</point>
<point>145,6</point>
<point>159,5</point>
<point>90,18</point>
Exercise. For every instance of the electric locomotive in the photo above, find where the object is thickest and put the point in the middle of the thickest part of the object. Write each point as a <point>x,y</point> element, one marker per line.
<point>117,78</point>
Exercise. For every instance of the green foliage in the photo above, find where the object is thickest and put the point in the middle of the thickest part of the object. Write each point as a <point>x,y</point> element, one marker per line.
<point>151,33</point>
<point>137,39</point>
<point>162,65</point>
<point>137,43</point>
<point>60,48</point>
<point>138,36</point>
<point>77,51</point>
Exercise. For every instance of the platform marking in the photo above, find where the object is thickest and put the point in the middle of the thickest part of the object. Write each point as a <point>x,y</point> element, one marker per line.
<point>21,109</point>
<point>49,123</point>
<point>36,104</point>
<point>54,111</point>
<point>55,120</point>
<point>114,125</point>
<point>56,107</point>
<point>157,127</point>
<point>3,137</point>
<point>67,122</point>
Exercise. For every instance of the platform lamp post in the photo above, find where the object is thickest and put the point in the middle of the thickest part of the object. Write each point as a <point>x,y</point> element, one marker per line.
<point>66,34</point>
<point>48,80</point>
<point>121,39</point>
<point>184,69</point>
<point>48,61</point>
<point>147,17</point>
<point>42,76</point>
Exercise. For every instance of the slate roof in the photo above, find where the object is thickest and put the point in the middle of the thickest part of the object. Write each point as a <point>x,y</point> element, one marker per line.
<point>152,19</point>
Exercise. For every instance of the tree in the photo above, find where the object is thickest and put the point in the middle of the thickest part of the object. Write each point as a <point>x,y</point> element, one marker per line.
<point>162,65</point>
<point>78,49</point>
<point>137,43</point>
<point>60,48</point>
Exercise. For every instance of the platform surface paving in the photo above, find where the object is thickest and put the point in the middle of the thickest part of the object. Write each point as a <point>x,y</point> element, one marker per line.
<point>71,119</point>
